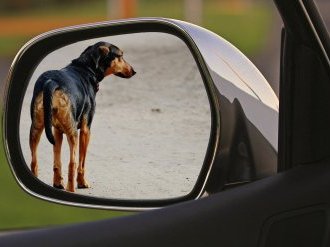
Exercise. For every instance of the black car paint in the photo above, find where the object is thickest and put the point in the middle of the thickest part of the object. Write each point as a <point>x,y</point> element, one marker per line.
<point>269,212</point>
<point>304,133</point>
<point>288,209</point>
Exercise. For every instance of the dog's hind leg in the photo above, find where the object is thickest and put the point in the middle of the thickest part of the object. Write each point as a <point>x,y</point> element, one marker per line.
<point>35,135</point>
<point>36,129</point>
<point>73,143</point>
<point>57,179</point>
<point>83,144</point>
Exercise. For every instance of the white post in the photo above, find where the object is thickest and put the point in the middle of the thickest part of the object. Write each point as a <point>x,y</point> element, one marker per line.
<point>113,9</point>
<point>193,11</point>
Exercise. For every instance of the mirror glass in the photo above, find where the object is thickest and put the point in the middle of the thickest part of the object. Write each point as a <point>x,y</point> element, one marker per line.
<point>131,110</point>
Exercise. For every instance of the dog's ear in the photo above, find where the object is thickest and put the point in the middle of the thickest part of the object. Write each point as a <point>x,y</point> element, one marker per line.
<point>104,51</point>
<point>97,53</point>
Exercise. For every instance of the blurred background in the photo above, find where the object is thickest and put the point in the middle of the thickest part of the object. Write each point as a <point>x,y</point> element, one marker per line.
<point>248,24</point>
<point>251,25</point>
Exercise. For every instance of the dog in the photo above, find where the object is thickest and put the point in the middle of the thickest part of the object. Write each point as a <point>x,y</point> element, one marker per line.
<point>63,102</point>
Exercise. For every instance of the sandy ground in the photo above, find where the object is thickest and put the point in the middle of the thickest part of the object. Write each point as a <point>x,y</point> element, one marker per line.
<point>150,132</point>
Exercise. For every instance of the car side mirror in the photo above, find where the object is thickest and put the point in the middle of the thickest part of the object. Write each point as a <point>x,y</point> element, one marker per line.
<point>136,114</point>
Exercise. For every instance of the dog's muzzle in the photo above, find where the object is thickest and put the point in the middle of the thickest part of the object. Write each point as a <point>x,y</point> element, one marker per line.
<point>128,75</point>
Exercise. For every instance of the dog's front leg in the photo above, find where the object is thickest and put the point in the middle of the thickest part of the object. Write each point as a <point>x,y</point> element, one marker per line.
<point>73,143</point>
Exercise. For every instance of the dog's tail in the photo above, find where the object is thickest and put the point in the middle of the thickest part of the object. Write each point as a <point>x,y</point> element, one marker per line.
<point>48,90</point>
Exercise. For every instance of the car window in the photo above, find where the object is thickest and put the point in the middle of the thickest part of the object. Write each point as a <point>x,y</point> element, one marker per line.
<point>18,210</point>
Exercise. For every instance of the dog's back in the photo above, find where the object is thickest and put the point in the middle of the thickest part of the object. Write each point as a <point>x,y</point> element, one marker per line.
<point>75,91</point>
<point>71,81</point>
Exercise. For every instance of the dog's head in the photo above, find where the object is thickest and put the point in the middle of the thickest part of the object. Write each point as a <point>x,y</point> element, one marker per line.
<point>106,59</point>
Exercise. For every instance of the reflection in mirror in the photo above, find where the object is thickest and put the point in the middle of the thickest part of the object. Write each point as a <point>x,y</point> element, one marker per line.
<point>148,136</point>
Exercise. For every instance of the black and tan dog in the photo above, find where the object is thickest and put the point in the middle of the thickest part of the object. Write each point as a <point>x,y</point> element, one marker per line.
<point>65,100</point>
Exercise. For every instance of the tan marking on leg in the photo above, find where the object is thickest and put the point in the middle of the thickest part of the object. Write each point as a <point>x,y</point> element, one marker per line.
<point>35,135</point>
<point>83,144</point>
<point>57,168</point>
<point>73,143</point>
<point>63,121</point>
<point>36,129</point>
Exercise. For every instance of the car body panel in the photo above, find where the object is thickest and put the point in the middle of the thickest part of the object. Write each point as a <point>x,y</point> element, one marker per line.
<point>236,77</point>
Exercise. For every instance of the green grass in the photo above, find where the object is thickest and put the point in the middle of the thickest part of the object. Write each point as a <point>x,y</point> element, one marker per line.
<point>10,45</point>
<point>19,210</point>
<point>248,30</point>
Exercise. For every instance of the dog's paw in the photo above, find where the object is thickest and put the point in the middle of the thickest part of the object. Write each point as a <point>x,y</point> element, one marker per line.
<point>81,182</point>
<point>70,188</point>
<point>84,185</point>
<point>58,186</point>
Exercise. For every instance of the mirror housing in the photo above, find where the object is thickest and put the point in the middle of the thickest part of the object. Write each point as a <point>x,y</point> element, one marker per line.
<point>244,111</point>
